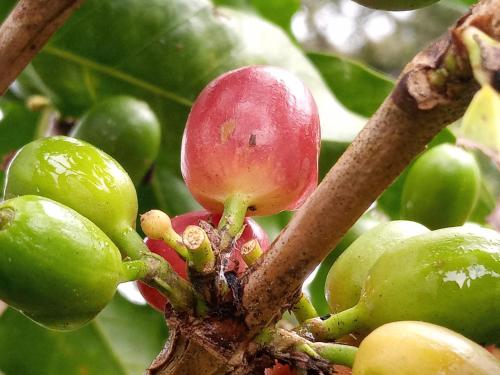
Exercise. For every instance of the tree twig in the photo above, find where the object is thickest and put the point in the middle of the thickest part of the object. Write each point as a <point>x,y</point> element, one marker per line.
<point>408,119</point>
<point>26,30</point>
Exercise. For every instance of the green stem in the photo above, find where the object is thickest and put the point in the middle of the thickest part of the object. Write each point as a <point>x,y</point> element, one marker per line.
<point>304,310</point>
<point>336,353</point>
<point>201,255</point>
<point>134,270</point>
<point>283,341</point>
<point>235,209</point>
<point>131,244</point>
<point>174,240</point>
<point>335,326</point>
<point>160,275</point>
<point>251,252</point>
<point>179,292</point>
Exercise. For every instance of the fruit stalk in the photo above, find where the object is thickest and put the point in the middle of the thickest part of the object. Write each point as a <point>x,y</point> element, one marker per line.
<point>235,208</point>
<point>304,309</point>
<point>335,326</point>
<point>179,292</point>
<point>201,255</point>
<point>408,119</point>
<point>25,32</point>
<point>283,341</point>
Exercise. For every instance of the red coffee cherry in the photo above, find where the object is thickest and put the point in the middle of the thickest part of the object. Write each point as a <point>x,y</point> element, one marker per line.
<point>253,133</point>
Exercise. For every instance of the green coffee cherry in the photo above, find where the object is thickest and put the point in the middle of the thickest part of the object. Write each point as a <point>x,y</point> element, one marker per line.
<point>316,288</point>
<point>56,266</point>
<point>417,348</point>
<point>449,277</point>
<point>395,4</point>
<point>442,187</point>
<point>82,177</point>
<point>348,274</point>
<point>125,128</point>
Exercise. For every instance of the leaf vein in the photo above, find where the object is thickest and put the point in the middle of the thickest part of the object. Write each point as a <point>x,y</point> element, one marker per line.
<point>115,73</point>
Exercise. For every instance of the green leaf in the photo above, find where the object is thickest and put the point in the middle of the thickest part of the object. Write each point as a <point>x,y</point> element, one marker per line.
<point>17,127</point>
<point>357,87</point>
<point>122,340</point>
<point>277,11</point>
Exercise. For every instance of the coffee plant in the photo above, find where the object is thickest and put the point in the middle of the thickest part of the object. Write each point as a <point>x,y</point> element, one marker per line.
<point>186,190</point>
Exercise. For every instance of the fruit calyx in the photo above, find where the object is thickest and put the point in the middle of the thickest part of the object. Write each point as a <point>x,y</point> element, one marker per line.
<point>7,214</point>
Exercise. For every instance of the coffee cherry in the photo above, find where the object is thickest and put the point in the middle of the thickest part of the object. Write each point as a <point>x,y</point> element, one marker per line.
<point>442,187</point>
<point>411,348</point>
<point>125,128</point>
<point>179,224</point>
<point>448,277</point>
<point>82,177</point>
<point>56,267</point>
<point>252,142</point>
<point>348,274</point>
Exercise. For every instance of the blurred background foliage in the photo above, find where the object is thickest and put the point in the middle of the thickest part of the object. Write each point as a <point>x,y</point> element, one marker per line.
<point>164,52</point>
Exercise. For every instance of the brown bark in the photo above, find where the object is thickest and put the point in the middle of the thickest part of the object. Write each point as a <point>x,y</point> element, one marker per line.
<point>25,32</point>
<point>408,119</point>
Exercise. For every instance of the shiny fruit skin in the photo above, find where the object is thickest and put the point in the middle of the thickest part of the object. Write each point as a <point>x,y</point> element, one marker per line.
<point>56,266</point>
<point>449,277</point>
<point>254,132</point>
<point>126,129</point>
<point>79,176</point>
<point>442,187</point>
<point>416,348</point>
<point>348,274</point>
<point>395,4</point>
<point>179,223</point>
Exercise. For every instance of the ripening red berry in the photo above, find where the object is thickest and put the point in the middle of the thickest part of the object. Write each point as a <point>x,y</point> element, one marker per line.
<point>279,369</point>
<point>252,133</point>
<point>179,223</point>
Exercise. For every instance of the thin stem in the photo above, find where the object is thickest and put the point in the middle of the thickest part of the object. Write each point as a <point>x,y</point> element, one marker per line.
<point>131,245</point>
<point>201,255</point>
<point>336,353</point>
<point>134,270</point>
<point>251,252</point>
<point>283,341</point>
<point>235,209</point>
<point>336,326</point>
<point>162,277</point>
<point>304,309</point>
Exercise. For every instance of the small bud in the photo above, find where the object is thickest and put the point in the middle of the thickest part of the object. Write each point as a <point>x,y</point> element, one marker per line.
<point>37,103</point>
<point>155,224</point>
